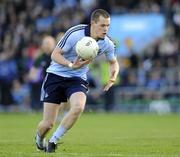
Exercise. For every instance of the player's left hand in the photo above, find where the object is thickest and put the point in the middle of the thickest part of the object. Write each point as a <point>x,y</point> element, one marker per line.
<point>109,85</point>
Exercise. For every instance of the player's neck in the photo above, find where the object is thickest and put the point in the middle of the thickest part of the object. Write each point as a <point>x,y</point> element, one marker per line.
<point>93,34</point>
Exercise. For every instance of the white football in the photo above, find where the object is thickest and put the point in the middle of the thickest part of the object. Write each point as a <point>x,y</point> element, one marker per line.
<point>87,48</point>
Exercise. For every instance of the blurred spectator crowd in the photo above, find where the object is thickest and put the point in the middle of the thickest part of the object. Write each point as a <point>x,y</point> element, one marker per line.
<point>23,25</point>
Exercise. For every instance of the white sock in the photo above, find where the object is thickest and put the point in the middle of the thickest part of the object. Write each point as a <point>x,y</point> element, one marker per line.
<point>60,131</point>
<point>38,137</point>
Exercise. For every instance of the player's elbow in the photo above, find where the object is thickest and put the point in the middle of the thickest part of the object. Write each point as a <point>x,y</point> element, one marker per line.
<point>57,52</point>
<point>53,55</point>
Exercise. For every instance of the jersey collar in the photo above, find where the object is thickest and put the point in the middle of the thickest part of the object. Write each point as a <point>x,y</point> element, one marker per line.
<point>87,30</point>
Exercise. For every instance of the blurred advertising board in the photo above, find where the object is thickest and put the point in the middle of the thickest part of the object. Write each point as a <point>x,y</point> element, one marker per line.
<point>136,31</point>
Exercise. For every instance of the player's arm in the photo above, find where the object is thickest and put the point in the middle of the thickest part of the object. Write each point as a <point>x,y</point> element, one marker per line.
<point>57,56</point>
<point>114,70</point>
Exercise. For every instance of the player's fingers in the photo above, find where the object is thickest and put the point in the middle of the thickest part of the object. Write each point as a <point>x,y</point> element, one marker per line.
<point>85,62</point>
<point>109,85</point>
<point>106,88</point>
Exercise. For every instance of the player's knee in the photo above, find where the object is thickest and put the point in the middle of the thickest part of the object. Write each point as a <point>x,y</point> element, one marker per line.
<point>78,109</point>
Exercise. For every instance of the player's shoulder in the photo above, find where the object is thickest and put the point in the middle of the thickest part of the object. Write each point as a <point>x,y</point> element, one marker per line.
<point>76,28</point>
<point>75,31</point>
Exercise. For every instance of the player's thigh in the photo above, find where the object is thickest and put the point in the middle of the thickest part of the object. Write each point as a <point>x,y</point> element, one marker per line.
<point>77,99</point>
<point>51,111</point>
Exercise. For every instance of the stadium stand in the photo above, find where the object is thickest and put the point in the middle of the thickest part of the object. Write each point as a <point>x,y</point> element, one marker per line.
<point>150,75</point>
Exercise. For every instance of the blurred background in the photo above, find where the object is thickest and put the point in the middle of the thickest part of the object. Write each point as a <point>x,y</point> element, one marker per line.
<point>146,34</point>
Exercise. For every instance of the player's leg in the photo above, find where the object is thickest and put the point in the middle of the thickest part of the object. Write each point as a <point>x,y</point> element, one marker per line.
<point>49,118</point>
<point>64,109</point>
<point>77,103</point>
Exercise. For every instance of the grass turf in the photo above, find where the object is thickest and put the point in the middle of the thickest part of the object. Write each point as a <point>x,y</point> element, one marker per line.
<point>96,135</point>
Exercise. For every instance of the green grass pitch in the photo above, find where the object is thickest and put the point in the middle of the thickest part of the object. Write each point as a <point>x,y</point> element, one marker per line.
<point>96,135</point>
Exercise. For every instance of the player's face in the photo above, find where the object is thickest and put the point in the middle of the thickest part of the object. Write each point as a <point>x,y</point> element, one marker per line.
<point>101,27</point>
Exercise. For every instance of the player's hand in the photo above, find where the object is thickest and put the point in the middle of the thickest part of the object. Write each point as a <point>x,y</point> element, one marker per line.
<point>109,85</point>
<point>80,63</point>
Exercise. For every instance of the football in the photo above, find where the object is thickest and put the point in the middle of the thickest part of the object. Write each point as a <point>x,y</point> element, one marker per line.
<point>87,48</point>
